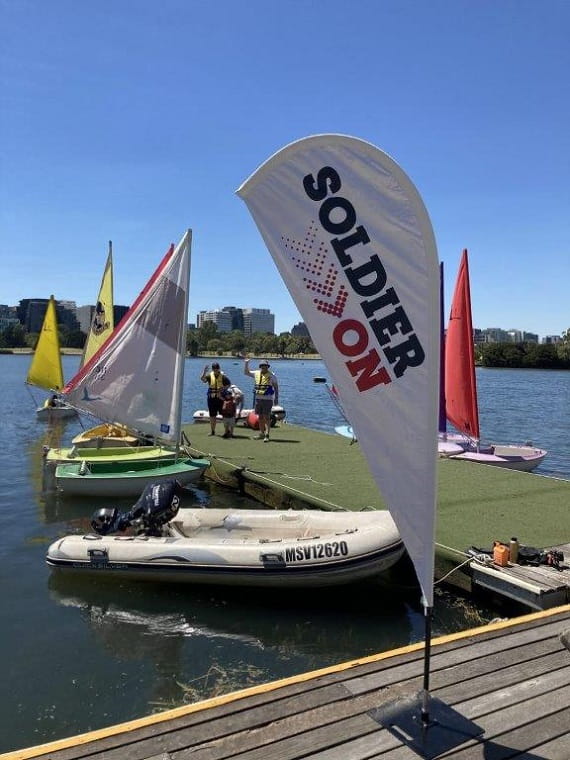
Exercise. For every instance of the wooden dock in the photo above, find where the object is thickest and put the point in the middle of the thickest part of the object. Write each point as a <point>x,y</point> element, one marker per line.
<point>538,587</point>
<point>508,683</point>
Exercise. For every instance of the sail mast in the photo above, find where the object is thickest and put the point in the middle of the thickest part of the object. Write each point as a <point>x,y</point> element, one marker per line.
<point>442,415</point>
<point>186,243</point>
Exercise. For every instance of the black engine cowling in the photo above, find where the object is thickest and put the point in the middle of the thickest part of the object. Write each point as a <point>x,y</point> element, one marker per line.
<point>158,503</point>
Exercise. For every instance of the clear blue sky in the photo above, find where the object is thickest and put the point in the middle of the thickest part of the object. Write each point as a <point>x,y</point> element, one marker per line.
<point>130,120</point>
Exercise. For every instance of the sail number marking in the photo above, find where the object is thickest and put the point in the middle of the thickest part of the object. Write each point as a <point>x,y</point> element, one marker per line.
<point>316,551</point>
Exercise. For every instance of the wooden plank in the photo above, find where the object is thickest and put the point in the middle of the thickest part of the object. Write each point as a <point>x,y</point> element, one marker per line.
<point>557,748</point>
<point>375,742</point>
<point>467,652</point>
<point>290,739</point>
<point>526,691</point>
<point>544,739</point>
<point>207,726</point>
<point>474,683</point>
<point>298,745</point>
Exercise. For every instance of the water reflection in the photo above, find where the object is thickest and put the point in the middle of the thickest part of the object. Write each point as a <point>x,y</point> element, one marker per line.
<point>288,621</point>
<point>206,640</point>
<point>202,641</point>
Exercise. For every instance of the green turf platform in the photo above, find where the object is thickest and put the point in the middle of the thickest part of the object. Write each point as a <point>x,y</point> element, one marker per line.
<point>477,504</point>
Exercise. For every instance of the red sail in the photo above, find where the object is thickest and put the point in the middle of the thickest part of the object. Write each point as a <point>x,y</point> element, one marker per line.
<point>460,384</point>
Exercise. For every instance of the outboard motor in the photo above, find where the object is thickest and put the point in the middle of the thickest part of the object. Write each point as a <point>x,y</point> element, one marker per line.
<point>157,505</point>
<point>106,520</point>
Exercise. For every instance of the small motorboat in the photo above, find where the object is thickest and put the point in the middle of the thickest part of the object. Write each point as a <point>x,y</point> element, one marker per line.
<point>277,415</point>
<point>257,547</point>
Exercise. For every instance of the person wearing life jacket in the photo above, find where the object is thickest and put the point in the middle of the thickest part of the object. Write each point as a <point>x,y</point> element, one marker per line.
<point>266,394</point>
<point>215,380</point>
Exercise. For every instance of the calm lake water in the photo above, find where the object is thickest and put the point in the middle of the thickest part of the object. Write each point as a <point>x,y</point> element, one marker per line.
<point>81,655</point>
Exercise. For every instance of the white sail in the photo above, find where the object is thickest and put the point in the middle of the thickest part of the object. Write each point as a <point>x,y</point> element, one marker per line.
<point>136,377</point>
<point>352,239</point>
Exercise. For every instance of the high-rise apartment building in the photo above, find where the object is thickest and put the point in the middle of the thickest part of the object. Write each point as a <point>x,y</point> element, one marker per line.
<point>8,316</point>
<point>222,319</point>
<point>31,313</point>
<point>300,330</point>
<point>233,318</point>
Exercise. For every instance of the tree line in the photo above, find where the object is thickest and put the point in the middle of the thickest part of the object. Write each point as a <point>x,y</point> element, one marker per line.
<point>525,355</point>
<point>207,340</point>
<point>203,340</point>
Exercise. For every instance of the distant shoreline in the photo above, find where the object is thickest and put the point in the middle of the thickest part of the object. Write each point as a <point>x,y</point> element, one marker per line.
<point>209,357</point>
<point>27,351</point>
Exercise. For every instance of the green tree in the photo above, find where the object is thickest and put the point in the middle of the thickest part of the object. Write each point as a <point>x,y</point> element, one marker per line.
<point>563,349</point>
<point>215,346</point>
<point>75,339</point>
<point>235,340</point>
<point>13,336</point>
<point>206,333</point>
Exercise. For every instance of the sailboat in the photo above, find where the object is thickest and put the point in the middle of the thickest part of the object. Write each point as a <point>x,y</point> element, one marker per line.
<point>46,370</point>
<point>105,441</point>
<point>461,404</point>
<point>103,320</point>
<point>102,325</point>
<point>135,379</point>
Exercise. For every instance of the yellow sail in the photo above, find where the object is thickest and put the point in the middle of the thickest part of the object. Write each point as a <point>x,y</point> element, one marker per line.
<point>102,324</point>
<point>46,370</point>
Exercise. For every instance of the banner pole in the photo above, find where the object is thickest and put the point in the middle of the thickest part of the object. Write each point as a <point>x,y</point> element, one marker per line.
<point>427,652</point>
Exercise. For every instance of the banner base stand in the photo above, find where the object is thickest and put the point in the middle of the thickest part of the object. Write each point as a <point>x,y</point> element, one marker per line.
<point>445,730</point>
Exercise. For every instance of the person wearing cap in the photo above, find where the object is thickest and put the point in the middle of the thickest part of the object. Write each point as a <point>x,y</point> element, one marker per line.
<point>215,380</point>
<point>266,392</point>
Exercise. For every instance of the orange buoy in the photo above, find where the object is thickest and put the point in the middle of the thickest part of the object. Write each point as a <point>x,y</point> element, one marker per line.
<point>253,421</point>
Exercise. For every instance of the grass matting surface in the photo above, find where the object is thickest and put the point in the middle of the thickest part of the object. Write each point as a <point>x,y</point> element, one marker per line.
<point>477,503</point>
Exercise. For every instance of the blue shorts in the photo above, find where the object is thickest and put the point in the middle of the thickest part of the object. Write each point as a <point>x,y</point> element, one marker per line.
<point>215,405</point>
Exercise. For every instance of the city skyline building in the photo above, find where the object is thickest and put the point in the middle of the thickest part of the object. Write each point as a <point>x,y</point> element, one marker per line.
<point>249,320</point>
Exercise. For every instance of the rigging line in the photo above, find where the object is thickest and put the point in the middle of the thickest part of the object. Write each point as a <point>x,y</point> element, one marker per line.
<point>335,507</point>
<point>451,549</point>
<point>306,478</point>
<point>221,458</point>
<point>436,583</point>
<point>218,478</point>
